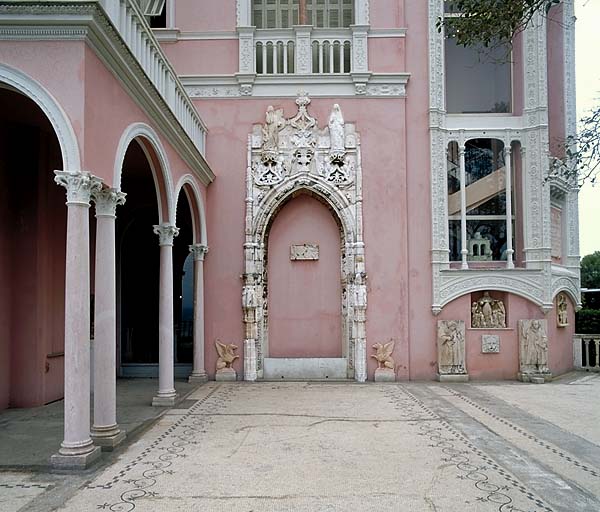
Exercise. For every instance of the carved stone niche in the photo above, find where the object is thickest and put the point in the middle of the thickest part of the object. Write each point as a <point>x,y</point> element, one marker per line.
<point>562,310</point>
<point>488,312</point>
<point>451,351</point>
<point>533,351</point>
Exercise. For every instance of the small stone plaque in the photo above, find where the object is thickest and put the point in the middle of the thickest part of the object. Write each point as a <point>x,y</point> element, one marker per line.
<point>304,252</point>
<point>490,343</point>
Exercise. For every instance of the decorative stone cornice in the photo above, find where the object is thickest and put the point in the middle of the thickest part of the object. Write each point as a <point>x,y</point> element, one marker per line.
<point>87,21</point>
<point>79,185</point>
<point>107,200</point>
<point>199,251</point>
<point>166,233</point>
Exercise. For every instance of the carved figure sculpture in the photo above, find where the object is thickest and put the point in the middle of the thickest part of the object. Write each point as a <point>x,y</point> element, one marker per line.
<point>226,355</point>
<point>562,317</point>
<point>451,347</point>
<point>336,131</point>
<point>488,313</point>
<point>383,355</point>
<point>533,346</point>
<point>360,291</point>
<point>274,122</point>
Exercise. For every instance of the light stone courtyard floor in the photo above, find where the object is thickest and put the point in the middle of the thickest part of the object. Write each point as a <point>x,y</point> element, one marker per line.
<point>324,447</point>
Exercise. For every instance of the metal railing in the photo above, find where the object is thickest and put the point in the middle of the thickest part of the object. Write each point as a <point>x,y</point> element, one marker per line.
<point>586,352</point>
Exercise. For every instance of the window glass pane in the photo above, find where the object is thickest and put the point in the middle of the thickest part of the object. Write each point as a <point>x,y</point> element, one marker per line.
<point>477,82</point>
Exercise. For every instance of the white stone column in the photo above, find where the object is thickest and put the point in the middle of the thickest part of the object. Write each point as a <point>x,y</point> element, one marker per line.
<point>77,450</point>
<point>166,333</point>
<point>463,208</point>
<point>509,215</point>
<point>199,372</point>
<point>105,431</point>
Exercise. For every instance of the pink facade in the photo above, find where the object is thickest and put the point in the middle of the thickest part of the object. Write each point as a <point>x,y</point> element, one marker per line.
<point>121,114</point>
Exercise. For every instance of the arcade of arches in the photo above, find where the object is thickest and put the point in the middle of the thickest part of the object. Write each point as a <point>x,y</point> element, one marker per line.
<point>110,266</point>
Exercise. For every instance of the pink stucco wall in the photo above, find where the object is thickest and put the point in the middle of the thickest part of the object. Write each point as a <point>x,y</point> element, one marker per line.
<point>304,296</point>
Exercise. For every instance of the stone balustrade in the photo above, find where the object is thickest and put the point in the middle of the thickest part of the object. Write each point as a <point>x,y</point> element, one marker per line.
<point>586,352</point>
<point>131,24</point>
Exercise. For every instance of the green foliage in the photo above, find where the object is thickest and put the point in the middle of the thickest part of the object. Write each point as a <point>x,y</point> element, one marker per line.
<point>590,270</point>
<point>587,321</point>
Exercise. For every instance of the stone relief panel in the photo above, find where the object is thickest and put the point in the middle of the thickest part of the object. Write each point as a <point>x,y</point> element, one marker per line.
<point>451,347</point>
<point>490,343</point>
<point>562,310</point>
<point>288,156</point>
<point>533,350</point>
<point>304,252</point>
<point>488,313</point>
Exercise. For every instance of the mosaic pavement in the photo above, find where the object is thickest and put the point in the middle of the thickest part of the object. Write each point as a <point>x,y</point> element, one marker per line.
<point>335,446</point>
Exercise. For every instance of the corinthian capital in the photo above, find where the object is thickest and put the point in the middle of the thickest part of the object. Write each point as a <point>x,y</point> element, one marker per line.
<point>79,185</point>
<point>107,200</point>
<point>199,251</point>
<point>166,233</point>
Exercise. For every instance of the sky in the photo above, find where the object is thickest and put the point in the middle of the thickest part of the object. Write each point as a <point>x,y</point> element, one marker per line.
<point>587,45</point>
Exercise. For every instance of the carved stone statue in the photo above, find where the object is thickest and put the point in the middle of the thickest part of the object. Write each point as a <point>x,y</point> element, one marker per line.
<point>274,122</point>
<point>225,360</point>
<point>488,313</point>
<point>533,350</point>
<point>383,354</point>
<point>386,366</point>
<point>360,291</point>
<point>562,316</point>
<point>336,132</point>
<point>451,349</point>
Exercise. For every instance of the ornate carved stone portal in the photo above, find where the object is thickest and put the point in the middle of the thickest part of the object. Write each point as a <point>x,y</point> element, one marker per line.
<point>287,157</point>
<point>488,313</point>
<point>451,351</point>
<point>533,351</point>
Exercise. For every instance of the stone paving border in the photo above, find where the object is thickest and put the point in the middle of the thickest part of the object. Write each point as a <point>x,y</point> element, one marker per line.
<point>529,471</point>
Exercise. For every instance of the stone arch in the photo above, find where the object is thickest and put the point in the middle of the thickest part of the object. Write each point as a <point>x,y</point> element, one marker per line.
<point>290,157</point>
<point>194,196</point>
<point>152,147</point>
<point>58,118</point>
<point>566,285</point>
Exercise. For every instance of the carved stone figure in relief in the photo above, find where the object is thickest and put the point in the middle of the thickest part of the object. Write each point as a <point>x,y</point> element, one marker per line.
<point>336,131</point>
<point>226,355</point>
<point>562,317</point>
<point>451,347</point>
<point>383,354</point>
<point>360,291</point>
<point>534,346</point>
<point>488,313</point>
<point>274,122</point>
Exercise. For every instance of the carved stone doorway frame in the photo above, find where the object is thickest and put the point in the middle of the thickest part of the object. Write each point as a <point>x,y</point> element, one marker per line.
<point>288,157</point>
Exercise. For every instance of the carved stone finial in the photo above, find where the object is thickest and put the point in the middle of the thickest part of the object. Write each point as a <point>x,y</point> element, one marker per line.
<point>336,134</point>
<point>302,100</point>
<point>79,185</point>
<point>166,233</point>
<point>107,200</point>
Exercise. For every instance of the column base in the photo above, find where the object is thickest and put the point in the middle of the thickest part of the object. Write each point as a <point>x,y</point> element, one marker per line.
<point>453,377</point>
<point>534,378</point>
<point>76,460</point>
<point>108,438</point>
<point>198,378</point>
<point>164,400</point>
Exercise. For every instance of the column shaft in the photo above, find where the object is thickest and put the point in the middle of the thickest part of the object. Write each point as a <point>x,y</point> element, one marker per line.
<point>198,372</point>
<point>105,431</point>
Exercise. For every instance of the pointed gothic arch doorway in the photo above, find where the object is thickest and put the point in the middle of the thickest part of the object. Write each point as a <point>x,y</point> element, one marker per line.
<point>292,157</point>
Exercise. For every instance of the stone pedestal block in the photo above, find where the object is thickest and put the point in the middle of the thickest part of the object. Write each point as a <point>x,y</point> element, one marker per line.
<point>385,375</point>
<point>534,378</point>
<point>164,401</point>
<point>226,375</point>
<point>76,461</point>
<point>458,377</point>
